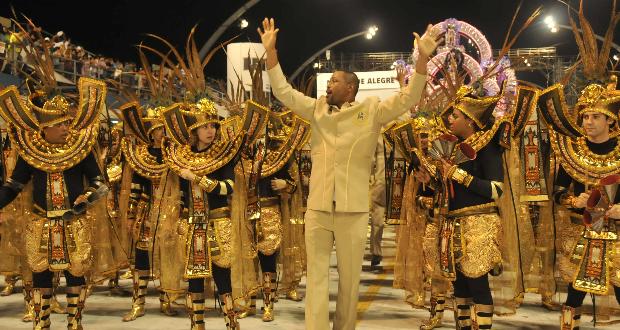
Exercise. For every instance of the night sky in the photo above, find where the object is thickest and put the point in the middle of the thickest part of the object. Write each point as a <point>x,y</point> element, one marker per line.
<point>113,28</point>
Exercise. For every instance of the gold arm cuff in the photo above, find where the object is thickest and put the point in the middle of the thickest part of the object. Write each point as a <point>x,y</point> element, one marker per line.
<point>451,171</point>
<point>462,177</point>
<point>207,184</point>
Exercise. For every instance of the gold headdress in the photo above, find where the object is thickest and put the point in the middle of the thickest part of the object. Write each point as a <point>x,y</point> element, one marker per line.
<point>47,105</point>
<point>478,109</point>
<point>600,94</point>
<point>200,113</point>
<point>198,109</point>
<point>599,98</point>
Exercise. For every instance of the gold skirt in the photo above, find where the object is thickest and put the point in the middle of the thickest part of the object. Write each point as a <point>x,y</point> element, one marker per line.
<point>567,237</point>
<point>430,250</point>
<point>77,241</point>
<point>572,244</point>
<point>219,241</point>
<point>270,230</point>
<point>614,265</point>
<point>479,244</point>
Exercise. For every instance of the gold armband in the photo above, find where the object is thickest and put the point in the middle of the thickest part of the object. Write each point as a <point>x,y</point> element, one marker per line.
<point>207,184</point>
<point>462,177</point>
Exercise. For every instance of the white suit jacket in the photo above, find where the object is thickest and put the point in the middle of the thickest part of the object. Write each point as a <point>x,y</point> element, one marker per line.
<point>343,142</point>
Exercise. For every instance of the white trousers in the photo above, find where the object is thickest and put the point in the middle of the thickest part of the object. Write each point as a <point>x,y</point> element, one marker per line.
<point>348,230</point>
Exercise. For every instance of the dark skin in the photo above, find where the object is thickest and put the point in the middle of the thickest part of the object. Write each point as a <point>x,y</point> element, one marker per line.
<point>341,94</point>
<point>340,89</point>
<point>462,127</point>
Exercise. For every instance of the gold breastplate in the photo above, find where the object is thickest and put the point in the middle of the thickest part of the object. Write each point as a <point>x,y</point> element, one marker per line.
<point>582,164</point>
<point>178,157</point>
<point>48,157</point>
<point>141,161</point>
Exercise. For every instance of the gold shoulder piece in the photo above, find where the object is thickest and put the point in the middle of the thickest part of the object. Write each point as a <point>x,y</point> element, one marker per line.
<point>275,160</point>
<point>254,121</point>
<point>553,108</point>
<point>582,164</point>
<point>92,99</point>
<point>13,110</point>
<point>141,161</point>
<point>527,97</point>
<point>175,124</point>
<point>114,167</point>
<point>132,119</point>
<point>481,138</point>
<point>403,136</point>
<point>54,157</point>
<point>388,135</point>
<point>178,157</point>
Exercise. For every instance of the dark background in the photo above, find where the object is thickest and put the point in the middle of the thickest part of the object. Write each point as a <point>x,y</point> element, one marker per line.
<point>113,28</point>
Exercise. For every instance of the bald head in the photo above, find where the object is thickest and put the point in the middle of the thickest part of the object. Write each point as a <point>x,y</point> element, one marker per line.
<point>342,87</point>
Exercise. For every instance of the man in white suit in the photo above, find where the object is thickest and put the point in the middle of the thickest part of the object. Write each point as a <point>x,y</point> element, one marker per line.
<point>344,137</point>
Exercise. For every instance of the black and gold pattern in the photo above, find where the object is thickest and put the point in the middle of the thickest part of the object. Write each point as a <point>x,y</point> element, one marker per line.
<point>141,161</point>
<point>276,159</point>
<point>25,128</point>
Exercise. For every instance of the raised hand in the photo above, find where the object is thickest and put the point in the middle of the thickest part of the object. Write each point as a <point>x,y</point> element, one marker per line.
<point>401,74</point>
<point>268,34</point>
<point>427,43</point>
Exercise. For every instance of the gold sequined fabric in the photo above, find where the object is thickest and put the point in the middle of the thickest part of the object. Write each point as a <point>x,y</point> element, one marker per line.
<point>167,243</point>
<point>78,238</point>
<point>480,242</point>
<point>429,247</point>
<point>409,253</point>
<point>614,265</point>
<point>293,252</point>
<point>223,236</point>
<point>568,234</point>
<point>271,228</point>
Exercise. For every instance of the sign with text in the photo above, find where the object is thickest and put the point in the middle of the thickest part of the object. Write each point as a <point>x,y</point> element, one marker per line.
<point>372,83</point>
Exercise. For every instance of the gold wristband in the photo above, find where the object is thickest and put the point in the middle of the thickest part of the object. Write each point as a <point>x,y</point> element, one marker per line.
<point>462,177</point>
<point>451,171</point>
<point>207,184</point>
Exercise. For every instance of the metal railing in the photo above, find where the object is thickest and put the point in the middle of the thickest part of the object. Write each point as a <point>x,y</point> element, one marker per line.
<point>11,62</point>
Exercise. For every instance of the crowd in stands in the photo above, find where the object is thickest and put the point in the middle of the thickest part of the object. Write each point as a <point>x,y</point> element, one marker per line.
<point>72,61</point>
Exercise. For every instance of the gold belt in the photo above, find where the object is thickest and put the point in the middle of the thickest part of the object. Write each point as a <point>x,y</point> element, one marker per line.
<point>269,201</point>
<point>474,210</point>
<point>47,214</point>
<point>222,212</point>
<point>219,213</point>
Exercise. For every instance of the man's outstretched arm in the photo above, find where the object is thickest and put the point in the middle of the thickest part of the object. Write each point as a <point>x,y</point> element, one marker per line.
<point>299,103</point>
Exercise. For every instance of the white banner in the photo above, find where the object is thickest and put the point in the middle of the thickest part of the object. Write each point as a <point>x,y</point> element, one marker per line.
<point>242,56</point>
<point>372,83</point>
